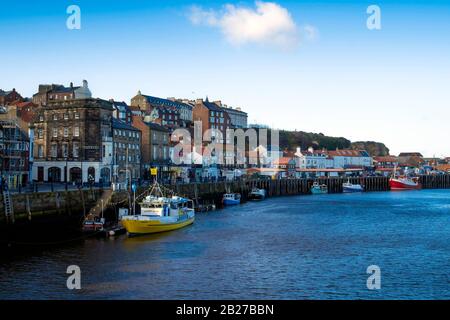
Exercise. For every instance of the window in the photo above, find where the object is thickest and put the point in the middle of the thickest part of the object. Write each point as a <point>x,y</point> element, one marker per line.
<point>75,149</point>
<point>40,133</point>
<point>41,118</point>
<point>76,115</point>
<point>55,132</point>
<point>76,131</point>
<point>54,150</point>
<point>66,132</point>
<point>66,116</point>
<point>65,150</point>
<point>40,151</point>
<point>55,116</point>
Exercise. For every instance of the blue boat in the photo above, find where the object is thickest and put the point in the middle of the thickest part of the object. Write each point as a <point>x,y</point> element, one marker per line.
<point>231,199</point>
<point>319,188</point>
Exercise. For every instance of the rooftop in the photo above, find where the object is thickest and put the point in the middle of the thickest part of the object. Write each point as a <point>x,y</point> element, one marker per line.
<point>118,124</point>
<point>166,102</point>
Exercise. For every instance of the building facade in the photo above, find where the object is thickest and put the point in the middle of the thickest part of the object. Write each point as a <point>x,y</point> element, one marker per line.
<point>14,153</point>
<point>127,152</point>
<point>238,117</point>
<point>347,159</point>
<point>155,147</point>
<point>313,159</point>
<point>8,97</point>
<point>73,141</point>
<point>212,116</point>
<point>170,113</point>
<point>58,92</point>
<point>121,111</point>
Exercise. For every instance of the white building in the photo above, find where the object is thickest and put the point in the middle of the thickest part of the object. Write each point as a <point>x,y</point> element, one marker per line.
<point>350,159</point>
<point>313,159</point>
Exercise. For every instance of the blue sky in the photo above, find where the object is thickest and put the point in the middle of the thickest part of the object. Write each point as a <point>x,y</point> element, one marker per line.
<point>389,85</point>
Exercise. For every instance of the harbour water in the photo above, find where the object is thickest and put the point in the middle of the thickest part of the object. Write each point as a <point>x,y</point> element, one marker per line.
<point>302,247</point>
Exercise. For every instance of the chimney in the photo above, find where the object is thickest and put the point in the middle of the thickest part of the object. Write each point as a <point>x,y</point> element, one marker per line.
<point>85,84</point>
<point>71,84</point>
<point>218,102</point>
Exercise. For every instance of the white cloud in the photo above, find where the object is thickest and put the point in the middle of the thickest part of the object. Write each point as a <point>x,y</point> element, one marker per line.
<point>267,23</point>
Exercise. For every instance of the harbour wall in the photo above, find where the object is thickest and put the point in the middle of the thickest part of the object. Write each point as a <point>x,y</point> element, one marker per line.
<point>72,205</point>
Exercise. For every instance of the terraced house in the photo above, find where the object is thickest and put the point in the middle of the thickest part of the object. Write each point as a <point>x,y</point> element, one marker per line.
<point>170,113</point>
<point>127,152</point>
<point>212,116</point>
<point>73,141</point>
<point>155,147</point>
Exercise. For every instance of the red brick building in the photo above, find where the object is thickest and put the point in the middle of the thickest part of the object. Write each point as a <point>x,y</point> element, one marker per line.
<point>8,97</point>
<point>212,116</point>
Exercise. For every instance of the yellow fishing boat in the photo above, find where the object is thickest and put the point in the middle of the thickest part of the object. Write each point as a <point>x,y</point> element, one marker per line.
<point>160,214</point>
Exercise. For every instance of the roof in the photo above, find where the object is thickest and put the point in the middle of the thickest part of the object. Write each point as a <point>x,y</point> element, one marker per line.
<point>118,124</point>
<point>386,159</point>
<point>234,110</point>
<point>410,154</point>
<point>166,102</point>
<point>156,126</point>
<point>212,106</point>
<point>283,161</point>
<point>120,105</point>
<point>5,93</point>
<point>348,153</point>
<point>63,89</point>
<point>443,167</point>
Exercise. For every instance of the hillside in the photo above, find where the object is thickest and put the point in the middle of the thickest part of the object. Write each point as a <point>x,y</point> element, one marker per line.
<point>290,140</point>
<point>375,149</point>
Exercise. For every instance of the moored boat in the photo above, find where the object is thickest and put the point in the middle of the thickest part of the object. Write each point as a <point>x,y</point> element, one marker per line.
<point>349,187</point>
<point>319,188</point>
<point>93,224</point>
<point>160,214</point>
<point>404,183</point>
<point>257,194</point>
<point>231,199</point>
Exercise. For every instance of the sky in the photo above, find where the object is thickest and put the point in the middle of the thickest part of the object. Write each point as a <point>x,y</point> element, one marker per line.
<point>300,65</point>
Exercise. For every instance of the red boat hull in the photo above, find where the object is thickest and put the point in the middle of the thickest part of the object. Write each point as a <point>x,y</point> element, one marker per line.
<point>398,184</point>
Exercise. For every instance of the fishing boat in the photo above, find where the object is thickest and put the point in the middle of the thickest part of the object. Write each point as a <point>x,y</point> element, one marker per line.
<point>159,214</point>
<point>349,187</point>
<point>319,188</point>
<point>257,194</point>
<point>404,183</point>
<point>231,199</point>
<point>93,224</point>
